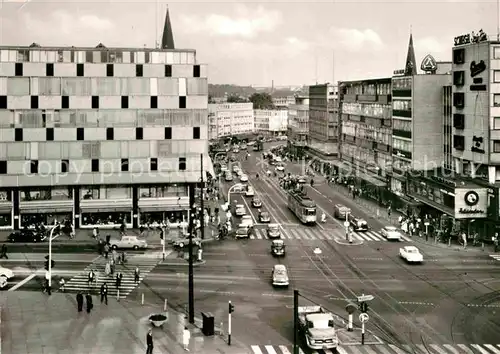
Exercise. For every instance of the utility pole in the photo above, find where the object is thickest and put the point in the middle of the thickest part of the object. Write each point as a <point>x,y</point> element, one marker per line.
<point>202,203</point>
<point>295,321</point>
<point>192,214</point>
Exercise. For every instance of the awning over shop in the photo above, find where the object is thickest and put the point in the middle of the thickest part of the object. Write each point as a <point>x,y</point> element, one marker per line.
<point>149,205</point>
<point>106,206</point>
<point>47,211</point>
<point>372,180</point>
<point>435,205</point>
<point>162,209</point>
<point>46,206</point>
<point>5,207</point>
<point>106,210</point>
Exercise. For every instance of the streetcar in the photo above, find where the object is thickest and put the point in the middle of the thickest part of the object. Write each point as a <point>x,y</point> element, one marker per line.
<point>302,206</point>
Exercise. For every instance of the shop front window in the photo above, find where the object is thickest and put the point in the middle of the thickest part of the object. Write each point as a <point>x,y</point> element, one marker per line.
<point>31,220</point>
<point>5,219</point>
<point>174,190</point>
<point>5,195</point>
<point>118,192</point>
<point>159,217</point>
<point>35,194</point>
<point>61,193</point>
<point>105,218</point>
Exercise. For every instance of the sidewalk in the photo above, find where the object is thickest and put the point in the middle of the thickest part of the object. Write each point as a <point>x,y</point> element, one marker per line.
<point>33,323</point>
<point>379,212</point>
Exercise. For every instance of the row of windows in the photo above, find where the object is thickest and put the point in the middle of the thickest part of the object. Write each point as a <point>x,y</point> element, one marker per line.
<point>401,165</point>
<point>369,89</point>
<point>101,118</point>
<point>402,83</point>
<point>401,105</point>
<point>96,56</point>
<point>96,166</point>
<point>367,109</point>
<point>45,86</point>
<point>401,144</point>
<point>367,156</point>
<point>110,134</point>
<point>399,124</point>
<point>96,149</point>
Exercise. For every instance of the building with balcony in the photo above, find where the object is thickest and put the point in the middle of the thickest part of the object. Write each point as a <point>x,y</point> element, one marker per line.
<point>101,136</point>
<point>231,119</point>
<point>298,126</point>
<point>366,152</point>
<point>272,122</point>
<point>324,127</point>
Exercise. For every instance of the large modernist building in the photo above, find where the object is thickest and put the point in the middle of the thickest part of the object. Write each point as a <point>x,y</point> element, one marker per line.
<point>298,126</point>
<point>100,135</point>
<point>230,119</point>
<point>272,122</point>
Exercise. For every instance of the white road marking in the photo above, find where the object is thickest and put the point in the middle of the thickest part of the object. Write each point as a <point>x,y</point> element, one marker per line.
<point>22,282</point>
<point>256,349</point>
<point>270,349</point>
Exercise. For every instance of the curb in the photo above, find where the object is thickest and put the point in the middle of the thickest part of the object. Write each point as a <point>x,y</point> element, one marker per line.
<point>347,243</point>
<point>197,264</point>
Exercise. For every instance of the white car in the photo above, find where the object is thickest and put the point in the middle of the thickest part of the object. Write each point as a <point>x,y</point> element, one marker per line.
<point>280,168</point>
<point>391,233</point>
<point>246,221</point>
<point>250,192</point>
<point>5,275</point>
<point>244,178</point>
<point>240,210</point>
<point>411,254</point>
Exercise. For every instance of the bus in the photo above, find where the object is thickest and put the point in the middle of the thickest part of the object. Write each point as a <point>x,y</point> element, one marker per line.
<point>302,206</point>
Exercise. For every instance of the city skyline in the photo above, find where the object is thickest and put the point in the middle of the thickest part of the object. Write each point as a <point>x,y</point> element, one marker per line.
<point>288,43</point>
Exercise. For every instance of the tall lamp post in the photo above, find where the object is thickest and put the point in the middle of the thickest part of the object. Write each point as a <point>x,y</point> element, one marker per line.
<point>51,234</point>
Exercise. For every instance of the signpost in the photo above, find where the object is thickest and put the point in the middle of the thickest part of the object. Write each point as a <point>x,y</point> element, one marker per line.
<point>364,298</point>
<point>363,318</point>
<point>346,225</point>
<point>350,308</point>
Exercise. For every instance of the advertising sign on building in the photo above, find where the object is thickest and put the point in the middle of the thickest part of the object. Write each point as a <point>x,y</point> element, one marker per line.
<point>471,203</point>
<point>429,65</point>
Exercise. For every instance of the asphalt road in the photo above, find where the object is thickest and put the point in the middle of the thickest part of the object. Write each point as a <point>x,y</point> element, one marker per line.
<point>452,298</point>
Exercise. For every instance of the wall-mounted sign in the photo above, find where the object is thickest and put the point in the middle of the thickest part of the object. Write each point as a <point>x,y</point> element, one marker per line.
<point>477,144</point>
<point>471,203</point>
<point>471,38</point>
<point>399,72</point>
<point>477,68</point>
<point>429,64</point>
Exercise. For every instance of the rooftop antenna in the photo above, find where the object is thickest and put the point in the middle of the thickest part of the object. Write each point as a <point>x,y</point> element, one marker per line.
<point>333,67</point>
<point>498,20</point>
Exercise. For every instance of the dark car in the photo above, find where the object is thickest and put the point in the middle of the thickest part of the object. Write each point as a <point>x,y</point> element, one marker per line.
<point>256,202</point>
<point>26,236</point>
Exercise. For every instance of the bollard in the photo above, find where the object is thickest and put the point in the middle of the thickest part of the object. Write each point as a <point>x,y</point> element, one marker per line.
<point>449,242</point>
<point>165,306</point>
<point>482,246</point>
<point>142,299</point>
<point>118,295</point>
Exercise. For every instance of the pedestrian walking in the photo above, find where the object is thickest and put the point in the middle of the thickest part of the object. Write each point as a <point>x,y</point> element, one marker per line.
<point>91,277</point>
<point>464,239</point>
<point>106,250</point>
<point>104,293</point>
<point>107,268</point>
<point>100,247</point>
<point>137,274</point>
<point>495,242</point>
<point>149,342</point>
<point>90,305</point>
<point>119,277</point>
<point>3,252</point>
<point>186,336</point>
<point>79,301</point>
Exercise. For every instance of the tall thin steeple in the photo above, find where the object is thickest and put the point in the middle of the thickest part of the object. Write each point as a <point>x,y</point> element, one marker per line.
<point>411,63</point>
<point>167,39</point>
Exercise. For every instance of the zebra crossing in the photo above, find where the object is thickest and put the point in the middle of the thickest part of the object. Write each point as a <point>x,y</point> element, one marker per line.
<point>322,234</point>
<point>145,262</point>
<point>496,257</point>
<point>387,349</point>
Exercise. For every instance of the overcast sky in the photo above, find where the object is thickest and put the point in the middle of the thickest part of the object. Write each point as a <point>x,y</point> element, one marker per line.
<point>244,43</point>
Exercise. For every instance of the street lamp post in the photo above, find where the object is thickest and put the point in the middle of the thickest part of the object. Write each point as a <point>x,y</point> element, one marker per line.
<point>50,254</point>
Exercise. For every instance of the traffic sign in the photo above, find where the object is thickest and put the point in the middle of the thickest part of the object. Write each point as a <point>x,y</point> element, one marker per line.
<point>364,298</point>
<point>364,317</point>
<point>350,308</point>
<point>346,223</point>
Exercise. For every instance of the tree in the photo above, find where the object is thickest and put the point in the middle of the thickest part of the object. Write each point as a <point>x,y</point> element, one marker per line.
<point>210,99</point>
<point>234,98</point>
<point>261,100</point>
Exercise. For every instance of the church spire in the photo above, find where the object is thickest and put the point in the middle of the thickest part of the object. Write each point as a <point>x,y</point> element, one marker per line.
<point>167,39</point>
<point>411,65</point>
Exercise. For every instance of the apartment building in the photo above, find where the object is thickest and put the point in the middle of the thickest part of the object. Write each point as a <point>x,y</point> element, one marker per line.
<point>101,136</point>
<point>230,119</point>
<point>273,122</point>
<point>366,134</point>
<point>324,124</point>
<point>298,126</point>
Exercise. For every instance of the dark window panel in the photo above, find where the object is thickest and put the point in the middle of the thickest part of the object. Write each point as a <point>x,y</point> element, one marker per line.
<point>168,133</point>
<point>49,134</point>
<point>65,166</point>
<point>80,134</point>
<point>18,134</point>
<point>139,133</point>
<point>80,69</point>
<point>95,165</point>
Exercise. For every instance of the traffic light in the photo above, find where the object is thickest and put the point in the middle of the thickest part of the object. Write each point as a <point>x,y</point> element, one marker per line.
<point>231,308</point>
<point>47,264</point>
<point>363,307</point>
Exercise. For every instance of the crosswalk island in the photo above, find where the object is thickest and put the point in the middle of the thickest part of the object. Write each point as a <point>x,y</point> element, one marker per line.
<point>386,349</point>
<point>145,262</point>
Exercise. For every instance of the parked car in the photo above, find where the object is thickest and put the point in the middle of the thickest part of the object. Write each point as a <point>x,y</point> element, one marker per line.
<point>391,233</point>
<point>264,216</point>
<point>27,236</point>
<point>246,221</point>
<point>250,191</point>
<point>240,210</point>
<point>256,202</point>
<point>411,254</point>
<point>184,241</point>
<point>128,242</point>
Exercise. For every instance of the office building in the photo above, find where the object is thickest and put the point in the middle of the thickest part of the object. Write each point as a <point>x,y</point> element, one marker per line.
<point>272,122</point>
<point>282,99</point>
<point>101,136</point>
<point>298,126</point>
<point>231,119</point>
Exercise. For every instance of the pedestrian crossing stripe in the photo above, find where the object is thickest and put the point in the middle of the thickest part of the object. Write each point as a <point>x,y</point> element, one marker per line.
<point>146,263</point>
<point>496,257</point>
<point>357,348</point>
<point>322,234</point>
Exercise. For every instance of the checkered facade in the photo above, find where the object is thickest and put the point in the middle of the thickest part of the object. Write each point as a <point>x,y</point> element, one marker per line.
<point>82,116</point>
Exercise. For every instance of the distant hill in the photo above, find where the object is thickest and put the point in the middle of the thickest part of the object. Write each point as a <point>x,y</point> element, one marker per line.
<point>222,90</point>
